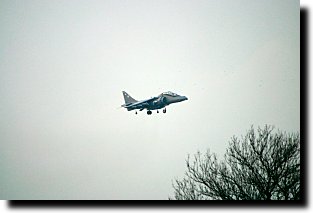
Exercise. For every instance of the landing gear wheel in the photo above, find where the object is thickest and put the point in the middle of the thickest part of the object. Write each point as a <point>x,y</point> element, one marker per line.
<point>164,110</point>
<point>149,112</point>
<point>157,111</point>
<point>136,112</point>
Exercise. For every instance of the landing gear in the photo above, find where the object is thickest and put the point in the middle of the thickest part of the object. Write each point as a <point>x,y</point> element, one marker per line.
<point>164,110</point>
<point>149,112</point>
<point>136,112</point>
<point>157,111</point>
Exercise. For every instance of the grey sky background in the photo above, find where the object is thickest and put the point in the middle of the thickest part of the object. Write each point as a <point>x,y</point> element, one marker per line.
<point>64,64</point>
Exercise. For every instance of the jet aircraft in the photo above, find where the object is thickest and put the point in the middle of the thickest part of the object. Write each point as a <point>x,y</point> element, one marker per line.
<point>154,103</point>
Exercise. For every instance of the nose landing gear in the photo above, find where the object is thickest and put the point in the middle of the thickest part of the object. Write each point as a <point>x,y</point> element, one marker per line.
<point>149,112</point>
<point>164,110</point>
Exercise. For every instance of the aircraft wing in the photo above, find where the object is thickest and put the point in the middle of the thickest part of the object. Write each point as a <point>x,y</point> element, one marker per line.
<point>141,104</point>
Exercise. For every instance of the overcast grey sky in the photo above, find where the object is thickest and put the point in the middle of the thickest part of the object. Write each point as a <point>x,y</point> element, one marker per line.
<point>64,64</point>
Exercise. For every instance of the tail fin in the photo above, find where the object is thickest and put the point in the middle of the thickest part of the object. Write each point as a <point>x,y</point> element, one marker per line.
<point>128,99</point>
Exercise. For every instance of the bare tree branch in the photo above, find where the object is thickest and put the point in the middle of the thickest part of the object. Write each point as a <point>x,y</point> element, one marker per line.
<point>262,165</point>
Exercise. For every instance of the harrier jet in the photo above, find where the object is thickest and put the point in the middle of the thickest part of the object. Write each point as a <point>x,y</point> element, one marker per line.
<point>155,103</point>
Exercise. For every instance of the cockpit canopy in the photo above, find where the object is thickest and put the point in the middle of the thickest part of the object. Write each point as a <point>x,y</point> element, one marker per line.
<point>170,94</point>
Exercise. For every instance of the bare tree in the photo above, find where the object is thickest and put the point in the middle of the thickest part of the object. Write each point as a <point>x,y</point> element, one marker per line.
<point>263,165</point>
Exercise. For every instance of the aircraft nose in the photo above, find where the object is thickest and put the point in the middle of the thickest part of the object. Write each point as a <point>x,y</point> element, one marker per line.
<point>185,98</point>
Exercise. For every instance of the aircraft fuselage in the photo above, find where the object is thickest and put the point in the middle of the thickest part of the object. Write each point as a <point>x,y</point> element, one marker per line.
<point>154,103</point>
